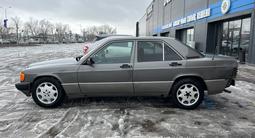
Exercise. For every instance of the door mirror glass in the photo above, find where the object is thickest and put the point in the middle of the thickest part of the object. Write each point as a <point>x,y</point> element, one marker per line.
<point>78,58</point>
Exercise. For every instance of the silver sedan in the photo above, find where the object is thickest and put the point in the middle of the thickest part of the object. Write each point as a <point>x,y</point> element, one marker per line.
<point>131,66</point>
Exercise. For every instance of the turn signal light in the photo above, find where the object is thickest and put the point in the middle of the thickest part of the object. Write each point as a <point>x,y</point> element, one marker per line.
<point>22,76</point>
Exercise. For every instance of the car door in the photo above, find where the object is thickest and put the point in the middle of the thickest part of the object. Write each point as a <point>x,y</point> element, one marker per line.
<point>156,64</point>
<point>111,73</point>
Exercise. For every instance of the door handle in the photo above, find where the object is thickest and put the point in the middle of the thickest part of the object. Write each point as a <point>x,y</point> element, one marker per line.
<point>174,64</point>
<point>125,66</point>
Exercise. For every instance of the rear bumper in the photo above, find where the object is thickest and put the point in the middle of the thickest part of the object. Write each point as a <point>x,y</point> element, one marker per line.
<point>232,82</point>
<point>24,88</point>
<point>218,86</point>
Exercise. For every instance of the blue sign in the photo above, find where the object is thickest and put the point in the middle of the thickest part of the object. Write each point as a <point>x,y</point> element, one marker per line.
<point>213,11</point>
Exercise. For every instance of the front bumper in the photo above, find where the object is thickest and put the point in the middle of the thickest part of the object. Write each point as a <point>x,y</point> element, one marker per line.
<point>24,87</point>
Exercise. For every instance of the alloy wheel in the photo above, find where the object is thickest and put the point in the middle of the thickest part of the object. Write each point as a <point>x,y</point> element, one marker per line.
<point>188,94</point>
<point>47,93</point>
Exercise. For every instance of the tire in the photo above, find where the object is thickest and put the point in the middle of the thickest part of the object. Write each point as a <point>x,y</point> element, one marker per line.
<point>187,94</point>
<point>47,92</point>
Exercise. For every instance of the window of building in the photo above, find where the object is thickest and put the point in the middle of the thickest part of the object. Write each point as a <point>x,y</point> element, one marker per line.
<point>187,36</point>
<point>235,38</point>
<point>245,36</point>
<point>190,37</point>
<point>117,52</point>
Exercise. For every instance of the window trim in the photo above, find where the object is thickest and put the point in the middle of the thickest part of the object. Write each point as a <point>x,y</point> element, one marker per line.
<point>109,43</point>
<point>163,51</point>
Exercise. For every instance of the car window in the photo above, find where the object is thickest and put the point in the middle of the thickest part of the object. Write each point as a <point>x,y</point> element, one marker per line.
<point>170,54</point>
<point>149,51</point>
<point>117,52</point>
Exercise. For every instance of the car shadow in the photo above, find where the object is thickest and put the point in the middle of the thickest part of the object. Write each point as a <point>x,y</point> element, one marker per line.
<point>120,102</point>
<point>209,103</point>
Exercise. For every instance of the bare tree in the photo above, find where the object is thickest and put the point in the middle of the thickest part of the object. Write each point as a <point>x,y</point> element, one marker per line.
<point>32,27</point>
<point>45,28</point>
<point>17,23</point>
<point>61,31</point>
<point>91,32</point>
<point>1,32</point>
<point>44,31</point>
<point>106,29</point>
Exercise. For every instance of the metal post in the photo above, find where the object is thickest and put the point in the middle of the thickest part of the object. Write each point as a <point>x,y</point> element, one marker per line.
<point>251,53</point>
<point>5,14</point>
<point>137,29</point>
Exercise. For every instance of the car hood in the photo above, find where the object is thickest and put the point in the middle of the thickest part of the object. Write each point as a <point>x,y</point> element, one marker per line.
<point>65,61</point>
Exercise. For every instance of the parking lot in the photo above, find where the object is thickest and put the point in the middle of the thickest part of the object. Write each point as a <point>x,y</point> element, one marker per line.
<point>224,115</point>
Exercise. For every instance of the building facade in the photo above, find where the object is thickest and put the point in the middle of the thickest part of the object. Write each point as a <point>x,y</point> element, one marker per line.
<point>224,27</point>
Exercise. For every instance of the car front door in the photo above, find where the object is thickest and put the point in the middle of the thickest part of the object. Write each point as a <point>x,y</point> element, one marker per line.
<point>111,72</point>
<point>155,67</point>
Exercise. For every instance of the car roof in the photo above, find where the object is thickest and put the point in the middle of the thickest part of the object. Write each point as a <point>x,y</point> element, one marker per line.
<point>109,35</point>
<point>120,37</point>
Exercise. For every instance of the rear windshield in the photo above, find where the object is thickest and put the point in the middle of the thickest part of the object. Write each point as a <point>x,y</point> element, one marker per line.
<point>184,49</point>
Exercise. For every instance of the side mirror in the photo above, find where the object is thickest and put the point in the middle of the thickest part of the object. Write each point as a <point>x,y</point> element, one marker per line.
<point>78,58</point>
<point>90,61</point>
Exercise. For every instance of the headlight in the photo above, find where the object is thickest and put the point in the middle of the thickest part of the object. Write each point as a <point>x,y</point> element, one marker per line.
<point>22,76</point>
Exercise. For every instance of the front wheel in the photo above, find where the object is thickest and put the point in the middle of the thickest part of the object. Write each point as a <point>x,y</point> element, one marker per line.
<point>47,92</point>
<point>187,94</point>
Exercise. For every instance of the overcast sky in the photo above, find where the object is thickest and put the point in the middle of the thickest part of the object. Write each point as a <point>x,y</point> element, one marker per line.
<point>122,14</point>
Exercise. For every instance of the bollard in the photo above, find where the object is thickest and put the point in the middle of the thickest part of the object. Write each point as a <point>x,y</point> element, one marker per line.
<point>242,56</point>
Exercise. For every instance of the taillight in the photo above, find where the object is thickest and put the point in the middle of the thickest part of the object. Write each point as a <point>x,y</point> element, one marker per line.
<point>22,76</point>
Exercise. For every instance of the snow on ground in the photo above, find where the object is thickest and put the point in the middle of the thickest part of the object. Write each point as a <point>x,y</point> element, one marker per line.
<point>224,115</point>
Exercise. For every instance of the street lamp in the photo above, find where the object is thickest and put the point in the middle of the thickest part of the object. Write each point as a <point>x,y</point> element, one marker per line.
<point>5,11</point>
<point>5,21</point>
<point>5,15</point>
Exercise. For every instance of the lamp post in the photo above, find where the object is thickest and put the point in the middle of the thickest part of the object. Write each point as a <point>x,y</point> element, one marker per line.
<point>6,20</point>
<point>5,15</point>
<point>5,11</point>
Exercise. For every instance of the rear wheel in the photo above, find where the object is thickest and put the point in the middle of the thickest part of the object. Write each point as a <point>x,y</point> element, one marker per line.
<point>187,94</point>
<point>47,92</point>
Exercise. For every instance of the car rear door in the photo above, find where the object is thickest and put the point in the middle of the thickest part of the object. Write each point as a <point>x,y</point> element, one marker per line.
<point>155,66</point>
<point>111,74</point>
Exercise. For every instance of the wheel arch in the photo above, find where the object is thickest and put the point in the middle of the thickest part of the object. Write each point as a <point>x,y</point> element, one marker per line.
<point>194,77</point>
<point>48,76</point>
